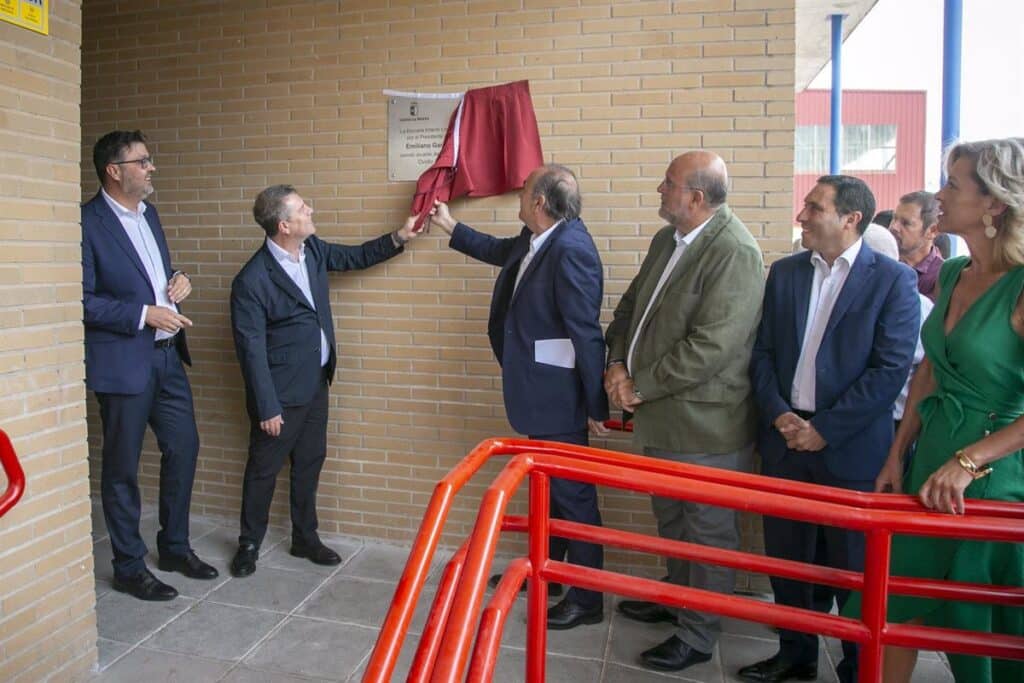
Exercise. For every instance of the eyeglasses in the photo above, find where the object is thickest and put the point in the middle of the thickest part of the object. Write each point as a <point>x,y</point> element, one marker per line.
<point>143,162</point>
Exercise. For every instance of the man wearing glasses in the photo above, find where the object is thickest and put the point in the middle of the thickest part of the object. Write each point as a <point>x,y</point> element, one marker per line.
<point>134,349</point>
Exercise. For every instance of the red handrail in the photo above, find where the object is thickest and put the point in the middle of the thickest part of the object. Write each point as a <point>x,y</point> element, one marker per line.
<point>15,475</point>
<point>878,515</point>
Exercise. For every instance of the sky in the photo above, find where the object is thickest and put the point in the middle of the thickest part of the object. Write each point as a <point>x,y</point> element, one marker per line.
<point>898,46</point>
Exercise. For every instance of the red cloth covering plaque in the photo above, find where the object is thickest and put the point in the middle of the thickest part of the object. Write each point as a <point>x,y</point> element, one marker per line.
<point>491,146</point>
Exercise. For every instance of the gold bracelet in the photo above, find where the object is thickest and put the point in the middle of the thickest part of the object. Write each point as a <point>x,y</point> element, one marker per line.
<point>970,467</point>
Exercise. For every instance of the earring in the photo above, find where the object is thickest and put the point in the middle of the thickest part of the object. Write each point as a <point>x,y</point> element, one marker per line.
<point>990,230</point>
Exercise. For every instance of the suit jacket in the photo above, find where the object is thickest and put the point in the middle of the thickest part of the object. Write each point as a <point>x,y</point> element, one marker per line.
<point>277,332</point>
<point>554,314</point>
<point>690,362</point>
<point>115,287</point>
<point>861,366</point>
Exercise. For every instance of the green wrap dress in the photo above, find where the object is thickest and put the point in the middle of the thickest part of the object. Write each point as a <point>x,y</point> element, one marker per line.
<point>979,375</point>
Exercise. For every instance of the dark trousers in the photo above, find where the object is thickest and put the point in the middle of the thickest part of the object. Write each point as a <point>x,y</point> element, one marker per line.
<point>576,502</point>
<point>812,543</point>
<point>303,440</point>
<point>166,406</point>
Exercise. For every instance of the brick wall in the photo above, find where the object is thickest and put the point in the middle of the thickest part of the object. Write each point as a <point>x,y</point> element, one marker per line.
<point>47,623</point>
<point>236,96</point>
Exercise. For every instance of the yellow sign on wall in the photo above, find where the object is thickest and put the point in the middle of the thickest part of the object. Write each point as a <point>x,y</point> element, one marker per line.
<point>30,14</point>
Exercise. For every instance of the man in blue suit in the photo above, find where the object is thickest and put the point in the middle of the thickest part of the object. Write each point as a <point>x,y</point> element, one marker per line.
<point>834,346</point>
<point>284,339</point>
<point>545,332</point>
<point>134,349</point>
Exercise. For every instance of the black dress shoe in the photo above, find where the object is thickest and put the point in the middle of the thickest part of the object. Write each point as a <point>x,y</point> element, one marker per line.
<point>145,586</point>
<point>317,554</point>
<point>568,614</point>
<point>554,589</point>
<point>776,669</point>
<point>244,562</point>
<point>647,612</point>
<point>672,655</point>
<point>189,565</point>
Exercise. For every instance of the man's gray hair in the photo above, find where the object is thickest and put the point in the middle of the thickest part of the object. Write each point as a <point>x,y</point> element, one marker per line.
<point>269,209</point>
<point>561,192</point>
<point>713,184</point>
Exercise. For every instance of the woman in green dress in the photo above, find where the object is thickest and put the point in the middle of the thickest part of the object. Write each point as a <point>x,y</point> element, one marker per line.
<point>969,395</point>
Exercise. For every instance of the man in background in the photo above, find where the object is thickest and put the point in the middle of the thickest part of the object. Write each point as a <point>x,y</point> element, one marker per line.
<point>915,227</point>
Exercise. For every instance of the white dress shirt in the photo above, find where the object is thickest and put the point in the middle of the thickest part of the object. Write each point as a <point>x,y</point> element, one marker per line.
<point>296,270</point>
<point>825,288</point>
<point>535,242</point>
<point>901,400</point>
<point>141,236</point>
<point>682,241</point>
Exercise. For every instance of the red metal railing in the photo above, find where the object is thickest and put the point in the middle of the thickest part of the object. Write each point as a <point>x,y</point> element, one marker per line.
<point>444,649</point>
<point>15,475</point>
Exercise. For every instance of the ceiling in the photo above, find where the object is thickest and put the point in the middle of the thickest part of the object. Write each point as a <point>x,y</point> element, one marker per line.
<point>814,33</point>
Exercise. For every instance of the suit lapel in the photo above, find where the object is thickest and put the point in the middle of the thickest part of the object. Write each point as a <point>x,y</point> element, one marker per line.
<point>802,281</point>
<point>281,279</point>
<point>862,270</point>
<point>113,226</point>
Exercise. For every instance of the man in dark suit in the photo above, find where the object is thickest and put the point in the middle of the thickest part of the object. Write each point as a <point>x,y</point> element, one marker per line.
<point>545,331</point>
<point>833,349</point>
<point>284,338</point>
<point>677,357</point>
<point>134,348</point>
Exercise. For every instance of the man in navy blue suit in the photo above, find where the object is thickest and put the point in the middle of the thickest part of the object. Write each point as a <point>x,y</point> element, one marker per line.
<point>284,339</point>
<point>545,332</point>
<point>134,349</point>
<point>834,346</point>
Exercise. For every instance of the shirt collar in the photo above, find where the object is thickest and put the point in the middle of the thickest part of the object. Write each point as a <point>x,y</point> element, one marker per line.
<point>689,237</point>
<point>282,254</point>
<point>848,256</point>
<point>926,263</point>
<point>116,207</point>
<point>537,240</point>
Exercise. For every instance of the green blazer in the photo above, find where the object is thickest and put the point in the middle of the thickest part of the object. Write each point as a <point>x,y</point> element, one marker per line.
<point>692,357</point>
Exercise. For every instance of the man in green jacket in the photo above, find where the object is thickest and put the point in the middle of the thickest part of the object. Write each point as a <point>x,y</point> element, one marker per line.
<point>678,351</point>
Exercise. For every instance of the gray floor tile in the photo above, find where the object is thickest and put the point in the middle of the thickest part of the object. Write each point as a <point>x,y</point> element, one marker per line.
<point>192,588</point>
<point>314,648</point>
<point>583,641</point>
<point>381,562</point>
<point>351,600</point>
<point>215,631</point>
<point>108,651</point>
<point>242,674</point>
<point>152,666</point>
<point>619,673</point>
<point>125,619</point>
<point>512,666</point>
<point>269,588</point>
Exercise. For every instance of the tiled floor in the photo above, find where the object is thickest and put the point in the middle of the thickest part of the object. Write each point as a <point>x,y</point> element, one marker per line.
<point>295,621</point>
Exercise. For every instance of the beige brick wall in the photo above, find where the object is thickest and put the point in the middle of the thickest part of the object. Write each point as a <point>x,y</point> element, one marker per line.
<point>47,622</point>
<point>235,96</point>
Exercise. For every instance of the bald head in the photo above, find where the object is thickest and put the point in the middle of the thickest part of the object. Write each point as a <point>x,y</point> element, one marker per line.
<point>695,185</point>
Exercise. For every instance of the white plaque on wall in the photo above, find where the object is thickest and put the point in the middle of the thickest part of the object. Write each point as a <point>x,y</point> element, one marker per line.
<point>417,123</point>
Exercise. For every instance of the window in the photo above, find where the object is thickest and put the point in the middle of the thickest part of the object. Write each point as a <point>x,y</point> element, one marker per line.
<point>865,148</point>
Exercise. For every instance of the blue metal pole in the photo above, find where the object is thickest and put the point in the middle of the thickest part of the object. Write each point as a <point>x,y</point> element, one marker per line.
<point>835,149</point>
<point>951,46</point>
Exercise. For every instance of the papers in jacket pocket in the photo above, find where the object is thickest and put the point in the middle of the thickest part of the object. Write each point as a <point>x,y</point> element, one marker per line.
<point>559,352</point>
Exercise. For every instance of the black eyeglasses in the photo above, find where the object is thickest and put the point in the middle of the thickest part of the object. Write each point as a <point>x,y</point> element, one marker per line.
<point>143,162</point>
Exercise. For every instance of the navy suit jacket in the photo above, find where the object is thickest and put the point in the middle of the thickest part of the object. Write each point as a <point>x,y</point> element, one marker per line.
<point>559,298</point>
<point>115,287</point>
<point>277,332</point>
<point>863,361</point>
